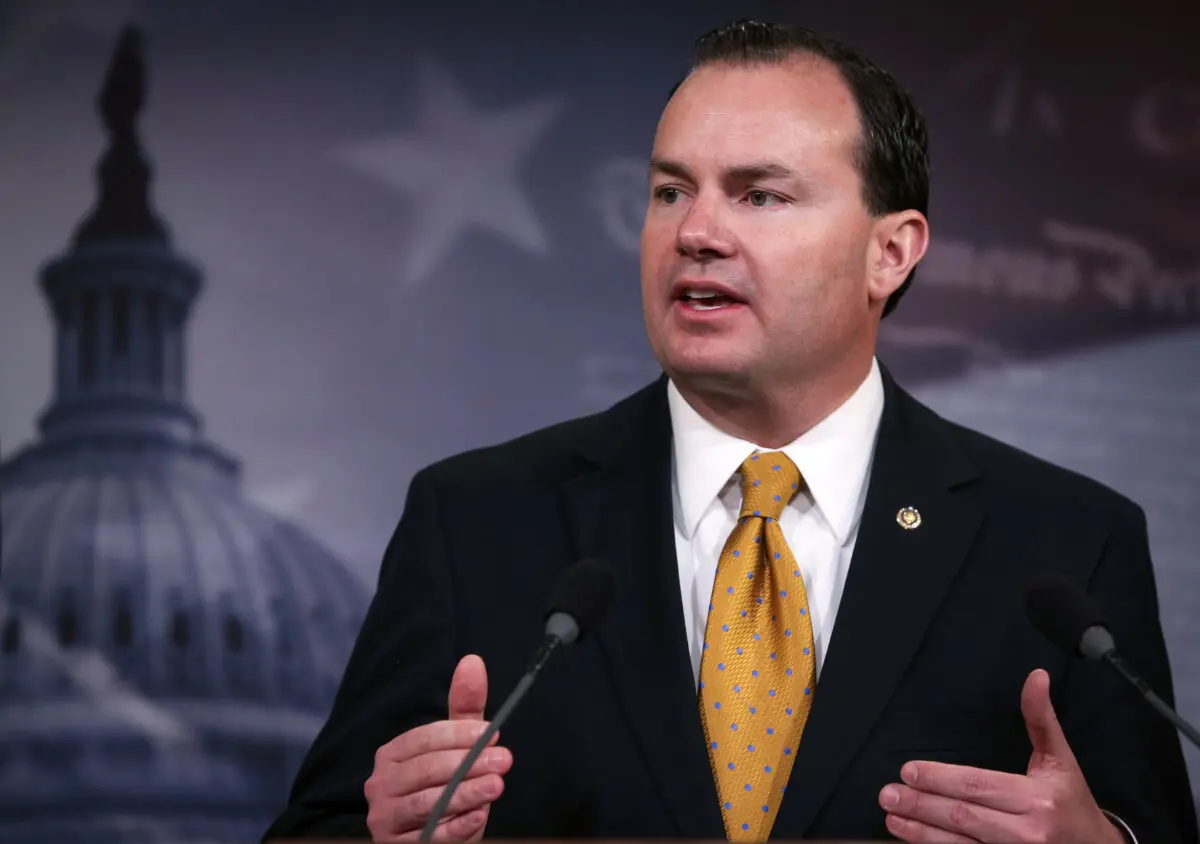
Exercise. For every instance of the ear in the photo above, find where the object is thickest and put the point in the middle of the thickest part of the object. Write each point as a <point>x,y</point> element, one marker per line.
<point>898,243</point>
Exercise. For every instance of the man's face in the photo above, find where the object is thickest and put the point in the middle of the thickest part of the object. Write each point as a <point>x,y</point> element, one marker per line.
<point>755,245</point>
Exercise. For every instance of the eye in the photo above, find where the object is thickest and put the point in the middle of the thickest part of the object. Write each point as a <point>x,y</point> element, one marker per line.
<point>667,194</point>
<point>760,198</point>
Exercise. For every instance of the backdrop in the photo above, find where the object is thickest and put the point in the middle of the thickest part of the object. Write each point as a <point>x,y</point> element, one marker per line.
<point>263,262</point>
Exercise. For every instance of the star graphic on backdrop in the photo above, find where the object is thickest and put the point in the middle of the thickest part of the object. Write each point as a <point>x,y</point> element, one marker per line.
<point>459,166</point>
<point>26,26</point>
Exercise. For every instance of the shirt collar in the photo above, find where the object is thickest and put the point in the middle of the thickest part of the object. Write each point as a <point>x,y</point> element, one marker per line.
<point>833,457</point>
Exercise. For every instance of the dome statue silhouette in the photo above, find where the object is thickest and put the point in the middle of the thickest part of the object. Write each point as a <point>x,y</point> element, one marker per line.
<point>167,650</point>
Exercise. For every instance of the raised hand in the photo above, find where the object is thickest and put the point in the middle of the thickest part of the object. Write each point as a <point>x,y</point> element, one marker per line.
<point>953,804</point>
<point>412,769</point>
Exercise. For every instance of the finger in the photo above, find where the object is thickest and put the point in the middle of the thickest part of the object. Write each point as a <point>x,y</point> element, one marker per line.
<point>430,738</point>
<point>413,810</point>
<point>435,770</point>
<point>468,689</point>
<point>946,813</point>
<point>457,828</point>
<point>994,789</point>
<point>1045,733</point>
<point>907,829</point>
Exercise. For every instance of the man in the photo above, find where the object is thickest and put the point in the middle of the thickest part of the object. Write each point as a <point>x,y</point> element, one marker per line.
<point>774,481</point>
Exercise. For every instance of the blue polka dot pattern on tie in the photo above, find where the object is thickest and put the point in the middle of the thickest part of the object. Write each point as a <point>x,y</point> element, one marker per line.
<point>755,654</point>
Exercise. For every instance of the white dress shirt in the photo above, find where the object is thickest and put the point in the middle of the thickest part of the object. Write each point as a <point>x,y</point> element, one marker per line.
<point>820,523</point>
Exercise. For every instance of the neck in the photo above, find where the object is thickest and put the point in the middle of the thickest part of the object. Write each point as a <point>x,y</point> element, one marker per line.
<point>771,417</point>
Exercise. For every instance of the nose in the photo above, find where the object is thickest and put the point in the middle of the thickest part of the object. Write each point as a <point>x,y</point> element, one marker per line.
<point>703,234</point>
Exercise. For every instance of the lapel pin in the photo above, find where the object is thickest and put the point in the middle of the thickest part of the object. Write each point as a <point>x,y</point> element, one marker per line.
<point>909,518</point>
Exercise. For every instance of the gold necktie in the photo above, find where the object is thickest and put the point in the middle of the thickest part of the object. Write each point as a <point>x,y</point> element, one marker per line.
<point>757,670</point>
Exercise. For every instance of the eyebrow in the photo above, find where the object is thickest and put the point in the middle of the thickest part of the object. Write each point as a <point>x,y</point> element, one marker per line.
<point>743,173</point>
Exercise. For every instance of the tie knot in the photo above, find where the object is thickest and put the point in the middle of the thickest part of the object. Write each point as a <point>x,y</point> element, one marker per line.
<point>769,480</point>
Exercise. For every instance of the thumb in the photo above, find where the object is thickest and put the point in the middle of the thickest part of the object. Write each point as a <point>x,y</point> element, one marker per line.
<point>468,689</point>
<point>1045,734</point>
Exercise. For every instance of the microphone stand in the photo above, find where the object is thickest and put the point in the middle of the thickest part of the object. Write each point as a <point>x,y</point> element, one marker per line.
<point>1113,659</point>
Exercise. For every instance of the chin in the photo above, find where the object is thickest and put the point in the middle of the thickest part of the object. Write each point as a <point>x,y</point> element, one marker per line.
<point>704,368</point>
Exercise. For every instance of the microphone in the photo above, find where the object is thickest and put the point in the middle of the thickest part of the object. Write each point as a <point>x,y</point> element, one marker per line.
<point>1062,612</point>
<point>580,601</point>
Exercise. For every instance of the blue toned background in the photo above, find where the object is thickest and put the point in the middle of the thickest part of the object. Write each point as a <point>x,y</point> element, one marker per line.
<point>395,232</point>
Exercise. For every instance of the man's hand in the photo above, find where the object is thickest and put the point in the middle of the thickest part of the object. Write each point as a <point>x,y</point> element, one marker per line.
<point>412,770</point>
<point>1051,802</point>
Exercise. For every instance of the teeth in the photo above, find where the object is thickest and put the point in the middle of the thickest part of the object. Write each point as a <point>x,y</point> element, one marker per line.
<point>707,307</point>
<point>701,294</point>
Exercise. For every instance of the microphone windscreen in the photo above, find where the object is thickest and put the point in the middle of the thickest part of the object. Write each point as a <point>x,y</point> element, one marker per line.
<point>585,592</point>
<point>1060,610</point>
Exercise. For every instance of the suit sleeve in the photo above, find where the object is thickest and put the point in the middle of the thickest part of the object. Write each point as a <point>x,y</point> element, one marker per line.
<point>1132,758</point>
<point>397,677</point>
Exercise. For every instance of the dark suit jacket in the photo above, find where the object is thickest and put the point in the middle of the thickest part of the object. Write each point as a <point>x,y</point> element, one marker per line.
<point>927,661</point>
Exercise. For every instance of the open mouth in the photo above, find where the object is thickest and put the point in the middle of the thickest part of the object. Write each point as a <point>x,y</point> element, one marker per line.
<point>707,300</point>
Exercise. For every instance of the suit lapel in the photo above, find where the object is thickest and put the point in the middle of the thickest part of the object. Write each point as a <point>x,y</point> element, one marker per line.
<point>896,581</point>
<point>620,510</point>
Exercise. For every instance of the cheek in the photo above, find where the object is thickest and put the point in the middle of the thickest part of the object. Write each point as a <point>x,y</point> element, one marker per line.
<point>813,279</point>
<point>656,260</point>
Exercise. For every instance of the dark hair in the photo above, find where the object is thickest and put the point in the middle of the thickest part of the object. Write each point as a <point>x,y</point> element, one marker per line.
<point>893,157</point>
